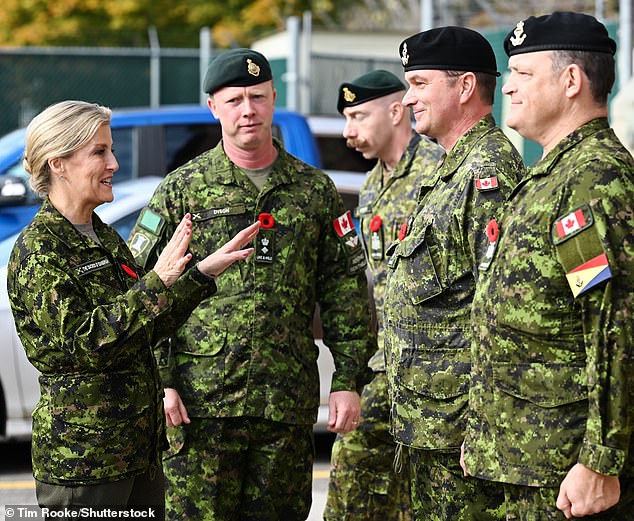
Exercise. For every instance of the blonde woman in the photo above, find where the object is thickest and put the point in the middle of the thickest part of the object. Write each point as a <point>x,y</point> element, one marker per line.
<point>88,317</point>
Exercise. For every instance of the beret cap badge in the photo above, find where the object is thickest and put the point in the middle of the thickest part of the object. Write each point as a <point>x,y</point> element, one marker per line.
<point>404,55</point>
<point>518,34</point>
<point>348,95</point>
<point>253,68</point>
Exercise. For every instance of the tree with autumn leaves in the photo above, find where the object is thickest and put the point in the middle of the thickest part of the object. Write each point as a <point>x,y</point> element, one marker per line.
<point>126,22</point>
<point>241,22</point>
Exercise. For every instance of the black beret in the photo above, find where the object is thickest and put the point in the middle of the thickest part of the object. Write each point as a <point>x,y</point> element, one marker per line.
<point>369,86</point>
<point>448,48</point>
<point>563,31</point>
<point>236,68</point>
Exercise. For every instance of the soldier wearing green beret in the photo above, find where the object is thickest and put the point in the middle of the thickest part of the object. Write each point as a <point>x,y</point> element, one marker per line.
<point>87,316</point>
<point>552,407</point>
<point>241,378</point>
<point>363,482</point>
<point>434,266</point>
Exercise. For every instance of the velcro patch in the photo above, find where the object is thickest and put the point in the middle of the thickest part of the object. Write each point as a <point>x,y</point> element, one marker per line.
<point>91,266</point>
<point>203,215</point>
<point>589,274</point>
<point>151,221</point>
<point>343,224</point>
<point>572,224</point>
<point>486,184</point>
<point>141,245</point>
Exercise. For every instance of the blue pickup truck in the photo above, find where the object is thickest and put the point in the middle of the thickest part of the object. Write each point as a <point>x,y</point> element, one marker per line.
<point>148,142</point>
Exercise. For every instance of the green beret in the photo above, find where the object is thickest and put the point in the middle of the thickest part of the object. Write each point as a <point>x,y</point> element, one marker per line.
<point>236,68</point>
<point>560,31</point>
<point>369,86</point>
<point>448,48</point>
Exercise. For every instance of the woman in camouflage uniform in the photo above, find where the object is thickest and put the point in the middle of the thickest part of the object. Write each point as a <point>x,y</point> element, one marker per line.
<point>88,316</point>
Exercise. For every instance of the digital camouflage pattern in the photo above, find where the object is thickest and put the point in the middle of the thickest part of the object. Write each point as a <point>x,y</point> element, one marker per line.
<point>392,202</point>
<point>363,483</point>
<point>366,482</point>
<point>88,326</point>
<point>442,494</point>
<point>250,351</point>
<point>553,373</point>
<point>431,284</point>
<point>213,474</point>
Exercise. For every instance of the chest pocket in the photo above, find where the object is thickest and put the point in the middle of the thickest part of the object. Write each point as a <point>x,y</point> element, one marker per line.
<point>415,267</point>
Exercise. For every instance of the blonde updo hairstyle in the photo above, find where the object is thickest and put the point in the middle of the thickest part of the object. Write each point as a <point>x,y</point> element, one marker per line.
<point>59,131</point>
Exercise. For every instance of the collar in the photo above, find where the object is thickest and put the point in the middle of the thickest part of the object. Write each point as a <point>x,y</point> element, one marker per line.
<point>60,227</point>
<point>456,156</point>
<point>224,171</point>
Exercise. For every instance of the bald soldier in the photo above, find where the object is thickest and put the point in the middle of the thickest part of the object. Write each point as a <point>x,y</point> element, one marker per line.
<point>434,267</point>
<point>241,379</point>
<point>364,484</point>
<point>552,401</point>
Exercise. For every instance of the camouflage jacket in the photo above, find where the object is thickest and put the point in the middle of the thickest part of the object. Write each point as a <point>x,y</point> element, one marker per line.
<point>250,351</point>
<point>553,373</point>
<point>383,208</point>
<point>87,317</point>
<point>430,287</point>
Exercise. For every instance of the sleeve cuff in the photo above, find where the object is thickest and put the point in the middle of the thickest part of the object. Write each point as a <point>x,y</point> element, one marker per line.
<point>604,460</point>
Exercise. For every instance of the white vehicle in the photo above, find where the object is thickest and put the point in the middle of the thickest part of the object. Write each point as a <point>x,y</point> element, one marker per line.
<point>19,389</point>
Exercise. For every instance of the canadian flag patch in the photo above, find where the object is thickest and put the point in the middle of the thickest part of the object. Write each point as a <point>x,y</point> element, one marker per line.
<point>570,223</point>
<point>487,183</point>
<point>343,224</point>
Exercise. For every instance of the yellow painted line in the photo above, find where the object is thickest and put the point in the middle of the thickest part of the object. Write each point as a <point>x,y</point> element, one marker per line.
<point>321,474</point>
<point>14,485</point>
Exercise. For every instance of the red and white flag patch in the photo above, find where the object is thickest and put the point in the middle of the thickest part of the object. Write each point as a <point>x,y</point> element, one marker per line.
<point>343,224</point>
<point>570,223</point>
<point>487,183</point>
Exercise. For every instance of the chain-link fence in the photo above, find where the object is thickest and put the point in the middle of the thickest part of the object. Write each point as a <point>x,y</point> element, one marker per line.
<point>33,78</point>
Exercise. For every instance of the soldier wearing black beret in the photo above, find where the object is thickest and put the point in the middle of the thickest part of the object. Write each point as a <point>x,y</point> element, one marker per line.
<point>379,126</point>
<point>551,403</point>
<point>433,268</point>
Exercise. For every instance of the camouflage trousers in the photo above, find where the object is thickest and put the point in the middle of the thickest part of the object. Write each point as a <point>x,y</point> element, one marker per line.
<point>363,483</point>
<point>239,469</point>
<point>539,504</point>
<point>440,492</point>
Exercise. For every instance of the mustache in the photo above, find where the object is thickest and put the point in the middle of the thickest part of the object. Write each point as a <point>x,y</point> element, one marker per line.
<point>355,143</point>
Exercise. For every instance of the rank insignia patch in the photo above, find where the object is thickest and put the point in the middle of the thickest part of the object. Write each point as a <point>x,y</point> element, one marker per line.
<point>589,274</point>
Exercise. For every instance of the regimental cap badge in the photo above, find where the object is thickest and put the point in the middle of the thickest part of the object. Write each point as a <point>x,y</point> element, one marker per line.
<point>518,35</point>
<point>404,55</point>
<point>348,95</point>
<point>253,68</point>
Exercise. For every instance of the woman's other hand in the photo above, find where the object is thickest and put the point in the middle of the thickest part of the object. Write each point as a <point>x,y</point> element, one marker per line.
<point>232,251</point>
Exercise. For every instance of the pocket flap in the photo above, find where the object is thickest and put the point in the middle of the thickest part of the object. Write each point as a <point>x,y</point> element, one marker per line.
<point>544,384</point>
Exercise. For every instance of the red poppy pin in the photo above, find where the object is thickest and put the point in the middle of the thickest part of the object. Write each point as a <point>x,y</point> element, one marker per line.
<point>129,271</point>
<point>266,220</point>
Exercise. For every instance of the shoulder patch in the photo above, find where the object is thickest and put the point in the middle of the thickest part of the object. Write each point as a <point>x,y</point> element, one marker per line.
<point>486,184</point>
<point>151,221</point>
<point>343,224</point>
<point>589,274</point>
<point>571,224</point>
<point>485,178</point>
